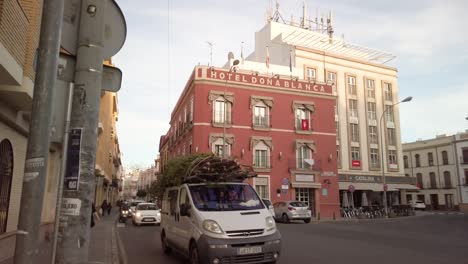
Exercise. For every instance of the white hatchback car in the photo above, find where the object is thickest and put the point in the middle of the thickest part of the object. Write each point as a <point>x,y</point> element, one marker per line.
<point>418,205</point>
<point>146,213</point>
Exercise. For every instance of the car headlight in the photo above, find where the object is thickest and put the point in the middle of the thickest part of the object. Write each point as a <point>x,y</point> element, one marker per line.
<point>124,212</point>
<point>158,213</point>
<point>270,223</point>
<point>138,214</point>
<point>212,226</point>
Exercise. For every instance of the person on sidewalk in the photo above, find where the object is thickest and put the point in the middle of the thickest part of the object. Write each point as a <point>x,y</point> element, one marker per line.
<point>104,207</point>
<point>93,214</point>
<point>109,208</point>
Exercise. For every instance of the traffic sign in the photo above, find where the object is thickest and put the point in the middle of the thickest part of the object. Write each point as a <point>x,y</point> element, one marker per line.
<point>284,181</point>
<point>351,188</point>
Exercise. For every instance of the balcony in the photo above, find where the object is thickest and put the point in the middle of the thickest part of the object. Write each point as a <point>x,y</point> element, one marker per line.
<point>295,165</point>
<point>261,122</point>
<point>218,120</point>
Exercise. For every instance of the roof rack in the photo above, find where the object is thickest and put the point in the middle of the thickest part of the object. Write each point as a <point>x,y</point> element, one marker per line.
<point>216,169</point>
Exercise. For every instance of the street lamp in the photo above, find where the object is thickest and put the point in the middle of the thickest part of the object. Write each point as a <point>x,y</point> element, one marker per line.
<point>234,63</point>
<point>407,99</point>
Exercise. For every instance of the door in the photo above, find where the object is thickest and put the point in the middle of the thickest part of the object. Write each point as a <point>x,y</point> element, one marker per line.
<point>169,215</point>
<point>182,223</point>
<point>449,201</point>
<point>434,202</point>
<point>307,196</point>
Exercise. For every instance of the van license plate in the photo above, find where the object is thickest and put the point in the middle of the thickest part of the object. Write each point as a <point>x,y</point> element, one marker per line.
<point>249,250</point>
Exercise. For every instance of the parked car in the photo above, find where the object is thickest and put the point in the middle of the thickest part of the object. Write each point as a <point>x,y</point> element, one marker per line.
<point>269,205</point>
<point>418,205</point>
<point>218,222</point>
<point>146,213</point>
<point>292,210</point>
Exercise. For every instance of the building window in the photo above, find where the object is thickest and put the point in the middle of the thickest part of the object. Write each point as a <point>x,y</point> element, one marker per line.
<point>351,85</point>
<point>405,161</point>
<point>389,113</point>
<point>419,181</point>
<point>331,77</point>
<point>464,159</point>
<point>432,179</point>
<point>190,114</point>
<point>371,111</point>
<point>447,179</point>
<point>374,158</point>
<point>303,119</point>
<point>222,105</point>
<point>445,160</point>
<point>373,138</point>
<point>430,159</point>
<point>6,177</point>
<point>261,158</point>
<point>354,132</point>
<point>220,111</point>
<point>262,187</point>
<point>303,153</point>
<point>370,88</point>
<point>466,177</point>
<point>388,91</point>
<point>338,159</point>
<point>391,136</point>
<point>261,118</point>
<point>353,110</point>
<point>355,154</point>
<point>302,195</point>
<point>217,146</point>
<point>417,159</point>
<point>392,159</point>
<point>311,73</point>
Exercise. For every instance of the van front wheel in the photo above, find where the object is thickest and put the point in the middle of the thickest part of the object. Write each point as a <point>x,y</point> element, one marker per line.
<point>166,249</point>
<point>194,257</point>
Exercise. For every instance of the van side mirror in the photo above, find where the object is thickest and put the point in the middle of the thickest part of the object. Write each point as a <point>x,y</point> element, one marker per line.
<point>185,210</point>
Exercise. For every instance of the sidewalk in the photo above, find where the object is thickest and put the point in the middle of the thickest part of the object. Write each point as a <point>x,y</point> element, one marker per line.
<point>103,241</point>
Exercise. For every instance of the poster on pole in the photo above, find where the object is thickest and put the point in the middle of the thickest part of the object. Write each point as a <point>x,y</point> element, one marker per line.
<point>72,171</point>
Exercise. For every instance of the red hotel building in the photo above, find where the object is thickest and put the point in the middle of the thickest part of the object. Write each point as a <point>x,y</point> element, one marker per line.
<point>284,128</point>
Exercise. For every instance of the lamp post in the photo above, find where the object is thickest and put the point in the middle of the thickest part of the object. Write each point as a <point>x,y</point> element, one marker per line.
<point>407,99</point>
<point>234,63</point>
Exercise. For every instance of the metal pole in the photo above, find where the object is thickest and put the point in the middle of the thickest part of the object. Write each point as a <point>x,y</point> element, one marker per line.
<point>382,164</point>
<point>62,171</point>
<point>35,170</point>
<point>235,63</point>
<point>75,229</point>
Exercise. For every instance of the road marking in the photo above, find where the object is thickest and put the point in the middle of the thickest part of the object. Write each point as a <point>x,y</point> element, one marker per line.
<point>120,225</point>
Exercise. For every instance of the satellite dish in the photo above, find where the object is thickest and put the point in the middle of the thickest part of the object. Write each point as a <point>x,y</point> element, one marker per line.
<point>230,56</point>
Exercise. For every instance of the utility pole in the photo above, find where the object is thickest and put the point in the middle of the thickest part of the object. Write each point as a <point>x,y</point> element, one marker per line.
<point>74,236</point>
<point>35,170</point>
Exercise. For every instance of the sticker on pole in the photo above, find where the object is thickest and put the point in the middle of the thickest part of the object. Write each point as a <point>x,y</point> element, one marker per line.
<point>71,206</point>
<point>72,171</point>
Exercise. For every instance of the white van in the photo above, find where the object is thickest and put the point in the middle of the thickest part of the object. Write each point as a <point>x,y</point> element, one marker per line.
<point>218,223</point>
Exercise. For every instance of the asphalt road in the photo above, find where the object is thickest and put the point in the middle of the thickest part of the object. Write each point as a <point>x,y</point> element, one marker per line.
<point>425,239</point>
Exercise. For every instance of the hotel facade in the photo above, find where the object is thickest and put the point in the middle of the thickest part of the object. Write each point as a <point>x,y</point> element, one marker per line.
<point>283,128</point>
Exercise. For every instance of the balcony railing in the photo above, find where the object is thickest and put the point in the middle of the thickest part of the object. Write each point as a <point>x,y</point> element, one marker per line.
<point>218,118</point>
<point>294,164</point>
<point>261,121</point>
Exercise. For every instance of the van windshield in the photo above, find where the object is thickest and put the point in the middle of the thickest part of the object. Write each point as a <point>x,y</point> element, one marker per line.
<point>225,197</point>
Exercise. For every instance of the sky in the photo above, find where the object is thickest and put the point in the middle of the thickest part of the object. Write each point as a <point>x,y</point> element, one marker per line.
<point>167,39</point>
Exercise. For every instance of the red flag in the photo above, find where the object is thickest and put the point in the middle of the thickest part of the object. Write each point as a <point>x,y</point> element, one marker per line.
<point>305,124</point>
<point>267,58</point>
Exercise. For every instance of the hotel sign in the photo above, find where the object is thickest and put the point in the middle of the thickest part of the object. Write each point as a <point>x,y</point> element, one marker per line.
<point>269,81</point>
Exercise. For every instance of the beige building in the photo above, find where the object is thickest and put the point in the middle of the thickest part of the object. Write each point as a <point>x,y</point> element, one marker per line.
<point>148,176</point>
<point>439,166</point>
<point>19,37</point>
<point>366,90</point>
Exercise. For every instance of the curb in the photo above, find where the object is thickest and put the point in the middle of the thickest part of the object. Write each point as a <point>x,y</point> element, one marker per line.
<point>119,256</point>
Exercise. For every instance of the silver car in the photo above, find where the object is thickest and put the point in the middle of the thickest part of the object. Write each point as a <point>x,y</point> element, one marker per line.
<point>292,210</point>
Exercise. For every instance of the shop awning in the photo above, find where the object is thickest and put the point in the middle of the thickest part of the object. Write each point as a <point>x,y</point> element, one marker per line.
<point>403,186</point>
<point>363,186</point>
<point>306,185</point>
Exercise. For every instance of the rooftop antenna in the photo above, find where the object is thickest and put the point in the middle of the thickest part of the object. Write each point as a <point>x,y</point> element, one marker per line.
<point>277,16</point>
<point>316,20</point>
<point>304,16</point>
<point>292,21</point>
<point>269,11</point>
<point>211,52</point>
<point>322,25</point>
<point>330,27</point>
<point>342,37</point>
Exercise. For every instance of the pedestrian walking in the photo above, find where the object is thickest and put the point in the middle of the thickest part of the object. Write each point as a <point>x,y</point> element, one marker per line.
<point>104,207</point>
<point>109,208</point>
